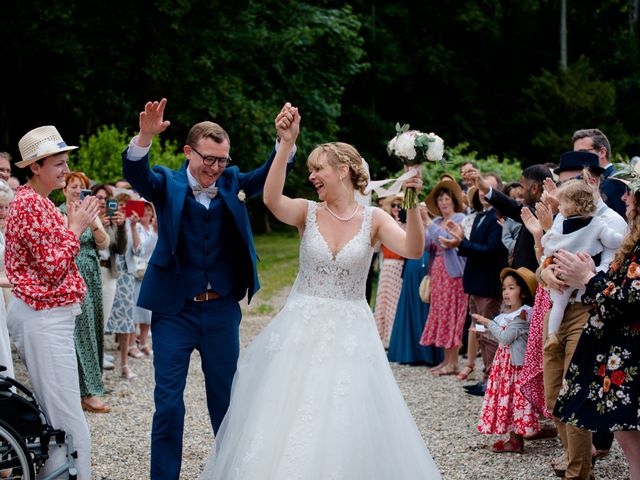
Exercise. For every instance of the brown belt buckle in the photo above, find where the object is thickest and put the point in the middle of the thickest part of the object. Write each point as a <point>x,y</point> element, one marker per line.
<point>206,296</point>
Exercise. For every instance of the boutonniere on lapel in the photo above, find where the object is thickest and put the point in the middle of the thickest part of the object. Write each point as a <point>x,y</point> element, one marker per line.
<point>242,196</point>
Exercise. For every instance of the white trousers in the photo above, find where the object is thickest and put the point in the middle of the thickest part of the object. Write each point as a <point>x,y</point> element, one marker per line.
<point>44,339</point>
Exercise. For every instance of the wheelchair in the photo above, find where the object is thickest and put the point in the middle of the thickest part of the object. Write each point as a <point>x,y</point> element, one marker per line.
<point>26,436</point>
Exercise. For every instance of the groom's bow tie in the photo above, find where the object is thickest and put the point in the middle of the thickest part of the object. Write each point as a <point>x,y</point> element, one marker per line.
<point>210,191</point>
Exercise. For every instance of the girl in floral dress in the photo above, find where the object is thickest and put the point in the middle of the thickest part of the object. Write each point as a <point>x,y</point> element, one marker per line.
<point>504,409</point>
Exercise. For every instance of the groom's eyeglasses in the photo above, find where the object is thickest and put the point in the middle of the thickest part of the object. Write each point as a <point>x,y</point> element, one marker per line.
<point>210,160</point>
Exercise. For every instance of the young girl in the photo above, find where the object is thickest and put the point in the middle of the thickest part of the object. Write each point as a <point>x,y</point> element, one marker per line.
<point>579,231</point>
<point>504,409</point>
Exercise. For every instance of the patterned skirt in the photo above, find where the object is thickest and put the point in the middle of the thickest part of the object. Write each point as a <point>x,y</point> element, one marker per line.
<point>121,318</point>
<point>387,295</point>
<point>504,408</point>
<point>448,310</point>
<point>531,383</point>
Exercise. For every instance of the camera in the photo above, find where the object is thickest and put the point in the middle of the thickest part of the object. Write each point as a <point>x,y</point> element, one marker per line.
<point>85,193</point>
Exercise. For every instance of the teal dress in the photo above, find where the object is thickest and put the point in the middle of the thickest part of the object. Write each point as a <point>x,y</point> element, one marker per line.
<point>89,327</point>
<point>411,316</point>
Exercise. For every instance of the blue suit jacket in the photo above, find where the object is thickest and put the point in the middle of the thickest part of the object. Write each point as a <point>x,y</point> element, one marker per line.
<point>612,191</point>
<point>486,257</point>
<point>163,289</point>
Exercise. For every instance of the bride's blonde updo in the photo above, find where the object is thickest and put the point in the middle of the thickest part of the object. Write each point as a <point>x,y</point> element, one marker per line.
<point>339,153</point>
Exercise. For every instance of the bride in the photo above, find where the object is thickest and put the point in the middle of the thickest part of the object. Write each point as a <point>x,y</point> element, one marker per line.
<point>314,397</point>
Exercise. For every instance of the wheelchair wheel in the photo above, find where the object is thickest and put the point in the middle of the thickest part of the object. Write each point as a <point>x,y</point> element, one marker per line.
<point>15,460</point>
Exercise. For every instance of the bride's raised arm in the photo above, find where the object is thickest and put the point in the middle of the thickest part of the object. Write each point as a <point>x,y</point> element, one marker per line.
<point>409,243</point>
<point>287,210</point>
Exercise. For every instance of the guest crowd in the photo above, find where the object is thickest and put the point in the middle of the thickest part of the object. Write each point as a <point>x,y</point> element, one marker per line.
<point>538,278</point>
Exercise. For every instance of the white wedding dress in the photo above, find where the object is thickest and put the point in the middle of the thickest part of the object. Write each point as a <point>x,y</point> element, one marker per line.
<point>314,397</point>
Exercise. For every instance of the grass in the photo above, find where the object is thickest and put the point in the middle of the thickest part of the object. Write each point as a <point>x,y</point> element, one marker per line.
<point>278,264</point>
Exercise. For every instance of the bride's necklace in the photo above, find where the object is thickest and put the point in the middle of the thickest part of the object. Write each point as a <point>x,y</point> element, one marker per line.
<point>342,219</point>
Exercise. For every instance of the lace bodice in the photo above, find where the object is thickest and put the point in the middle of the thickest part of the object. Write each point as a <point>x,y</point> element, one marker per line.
<point>342,277</point>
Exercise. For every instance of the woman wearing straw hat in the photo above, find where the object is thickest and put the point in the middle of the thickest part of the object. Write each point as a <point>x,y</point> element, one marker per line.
<point>448,309</point>
<point>40,252</point>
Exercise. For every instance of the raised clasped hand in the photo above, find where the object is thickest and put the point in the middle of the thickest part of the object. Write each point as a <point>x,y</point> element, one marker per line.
<point>287,123</point>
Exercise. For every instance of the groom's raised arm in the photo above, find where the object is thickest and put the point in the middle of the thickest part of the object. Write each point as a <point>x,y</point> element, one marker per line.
<point>135,158</point>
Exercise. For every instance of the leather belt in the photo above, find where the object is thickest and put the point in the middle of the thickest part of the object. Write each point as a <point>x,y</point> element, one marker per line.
<point>206,296</point>
<point>106,263</point>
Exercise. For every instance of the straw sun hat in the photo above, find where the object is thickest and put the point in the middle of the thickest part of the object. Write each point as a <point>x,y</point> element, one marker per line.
<point>39,143</point>
<point>454,190</point>
<point>525,274</point>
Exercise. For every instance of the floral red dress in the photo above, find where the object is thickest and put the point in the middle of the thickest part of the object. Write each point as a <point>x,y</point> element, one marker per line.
<point>531,383</point>
<point>504,408</point>
<point>448,310</point>
<point>40,253</point>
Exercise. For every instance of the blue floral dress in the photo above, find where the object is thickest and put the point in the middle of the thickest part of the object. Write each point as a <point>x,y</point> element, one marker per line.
<point>601,389</point>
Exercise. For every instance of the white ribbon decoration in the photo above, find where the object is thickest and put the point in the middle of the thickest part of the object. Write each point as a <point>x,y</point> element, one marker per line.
<point>378,185</point>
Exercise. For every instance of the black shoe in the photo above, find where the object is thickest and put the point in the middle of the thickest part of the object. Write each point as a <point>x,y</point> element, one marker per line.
<point>478,391</point>
<point>472,386</point>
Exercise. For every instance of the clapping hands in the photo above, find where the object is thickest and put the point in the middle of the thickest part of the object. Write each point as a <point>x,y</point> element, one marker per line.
<point>456,232</point>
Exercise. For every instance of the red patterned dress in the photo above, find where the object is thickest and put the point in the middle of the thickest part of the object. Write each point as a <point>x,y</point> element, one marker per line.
<point>448,310</point>
<point>504,408</point>
<point>531,383</point>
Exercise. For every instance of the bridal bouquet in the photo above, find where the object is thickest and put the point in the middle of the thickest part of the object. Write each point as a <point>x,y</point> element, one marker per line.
<point>412,147</point>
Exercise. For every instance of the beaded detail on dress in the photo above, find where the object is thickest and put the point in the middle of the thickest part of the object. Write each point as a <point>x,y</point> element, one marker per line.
<point>342,276</point>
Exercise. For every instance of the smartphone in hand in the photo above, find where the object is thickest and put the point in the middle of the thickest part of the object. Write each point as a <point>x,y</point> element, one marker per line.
<point>112,207</point>
<point>134,206</point>
<point>85,193</point>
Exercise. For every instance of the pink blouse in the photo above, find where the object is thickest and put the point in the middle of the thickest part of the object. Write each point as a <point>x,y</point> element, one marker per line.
<point>40,253</point>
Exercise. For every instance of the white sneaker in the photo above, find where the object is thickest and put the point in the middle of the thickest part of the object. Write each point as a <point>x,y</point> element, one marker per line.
<point>107,365</point>
<point>108,357</point>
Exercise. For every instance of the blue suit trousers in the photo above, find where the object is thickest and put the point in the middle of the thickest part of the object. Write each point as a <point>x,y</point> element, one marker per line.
<point>212,328</point>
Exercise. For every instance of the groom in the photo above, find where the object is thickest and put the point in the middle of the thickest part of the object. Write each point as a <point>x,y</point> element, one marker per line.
<point>203,265</point>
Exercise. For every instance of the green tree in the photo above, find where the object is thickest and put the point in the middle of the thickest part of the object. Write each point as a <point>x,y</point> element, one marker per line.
<point>559,103</point>
<point>100,154</point>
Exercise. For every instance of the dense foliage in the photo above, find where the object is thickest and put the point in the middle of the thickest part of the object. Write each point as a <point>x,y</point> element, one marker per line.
<point>484,73</point>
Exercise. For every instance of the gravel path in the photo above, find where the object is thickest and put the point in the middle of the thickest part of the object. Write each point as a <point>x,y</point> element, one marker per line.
<point>445,416</point>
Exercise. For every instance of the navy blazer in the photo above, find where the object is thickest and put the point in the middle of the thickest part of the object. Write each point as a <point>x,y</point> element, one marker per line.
<point>486,256</point>
<point>612,191</point>
<point>163,289</point>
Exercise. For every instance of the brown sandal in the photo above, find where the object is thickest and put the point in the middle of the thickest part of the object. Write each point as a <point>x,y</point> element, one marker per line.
<point>446,370</point>
<point>465,372</point>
